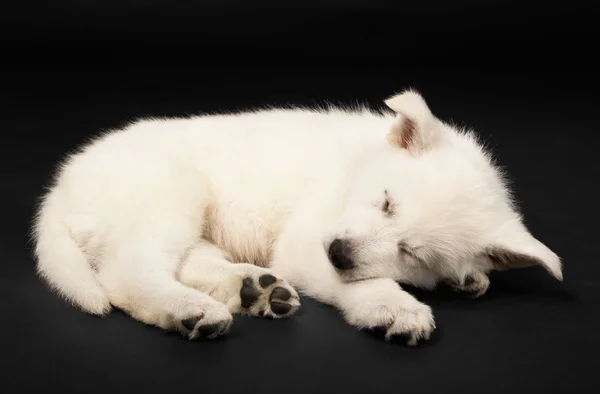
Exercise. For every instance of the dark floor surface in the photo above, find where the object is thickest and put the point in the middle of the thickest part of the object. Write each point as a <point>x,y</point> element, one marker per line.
<point>529,332</point>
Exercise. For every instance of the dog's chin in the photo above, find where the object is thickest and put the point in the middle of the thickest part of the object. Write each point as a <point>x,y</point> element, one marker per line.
<point>352,275</point>
<point>345,276</point>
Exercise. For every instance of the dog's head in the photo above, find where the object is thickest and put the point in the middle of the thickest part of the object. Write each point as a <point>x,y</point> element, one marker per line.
<point>430,206</point>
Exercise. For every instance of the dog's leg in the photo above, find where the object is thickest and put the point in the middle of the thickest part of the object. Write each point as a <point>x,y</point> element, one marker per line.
<point>244,288</point>
<point>381,303</point>
<point>368,304</point>
<point>138,270</point>
<point>140,280</point>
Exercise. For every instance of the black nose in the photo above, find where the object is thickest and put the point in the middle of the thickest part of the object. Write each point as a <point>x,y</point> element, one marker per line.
<point>339,254</point>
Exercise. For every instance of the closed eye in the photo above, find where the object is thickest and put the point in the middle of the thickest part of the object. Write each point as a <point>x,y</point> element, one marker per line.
<point>405,248</point>
<point>409,250</point>
<point>388,207</point>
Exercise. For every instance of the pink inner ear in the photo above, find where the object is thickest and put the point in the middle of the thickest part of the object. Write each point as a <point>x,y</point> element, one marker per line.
<point>409,132</point>
<point>506,259</point>
<point>404,133</point>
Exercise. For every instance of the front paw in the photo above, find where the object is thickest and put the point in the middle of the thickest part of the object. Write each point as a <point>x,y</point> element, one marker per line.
<point>415,323</point>
<point>476,283</point>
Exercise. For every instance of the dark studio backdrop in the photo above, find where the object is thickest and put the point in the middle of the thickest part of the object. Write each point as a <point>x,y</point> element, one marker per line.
<point>522,73</point>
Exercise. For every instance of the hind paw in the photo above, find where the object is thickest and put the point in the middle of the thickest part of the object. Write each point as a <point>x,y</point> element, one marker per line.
<point>209,322</point>
<point>264,294</point>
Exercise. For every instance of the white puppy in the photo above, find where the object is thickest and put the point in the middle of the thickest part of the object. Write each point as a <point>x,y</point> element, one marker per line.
<point>183,223</point>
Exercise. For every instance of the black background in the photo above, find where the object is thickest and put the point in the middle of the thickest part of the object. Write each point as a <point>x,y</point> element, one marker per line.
<point>522,73</point>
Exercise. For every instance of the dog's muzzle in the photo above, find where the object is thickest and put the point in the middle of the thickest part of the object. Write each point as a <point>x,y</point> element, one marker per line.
<point>340,253</point>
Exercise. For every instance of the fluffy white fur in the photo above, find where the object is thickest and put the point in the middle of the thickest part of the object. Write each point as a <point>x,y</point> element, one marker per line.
<point>183,223</point>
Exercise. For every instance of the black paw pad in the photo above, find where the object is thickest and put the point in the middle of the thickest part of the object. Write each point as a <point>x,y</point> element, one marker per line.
<point>208,330</point>
<point>469,280</point>
<point>248,293</point>
<point>280,308</point>
<point>280,293</point>
<point>190,322</point>
<point>266,280</point>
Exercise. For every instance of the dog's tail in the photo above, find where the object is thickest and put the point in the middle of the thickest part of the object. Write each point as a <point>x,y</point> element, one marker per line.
<point>62,264</point>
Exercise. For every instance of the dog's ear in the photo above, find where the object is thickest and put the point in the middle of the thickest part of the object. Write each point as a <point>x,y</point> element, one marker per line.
<point>519,249</point>
<point>415,127</point>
